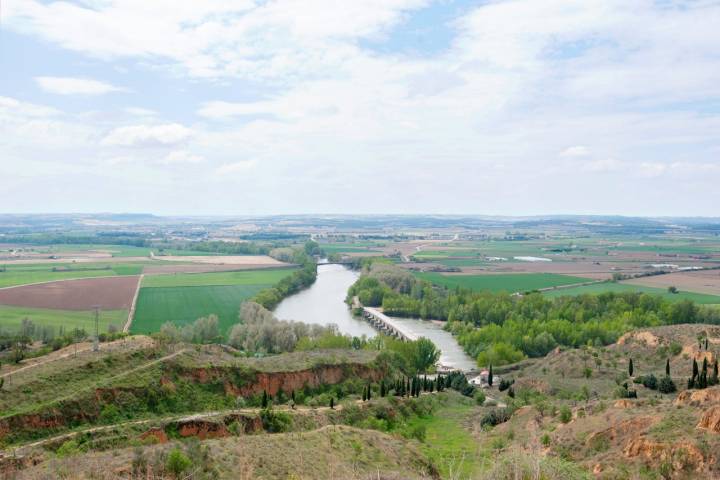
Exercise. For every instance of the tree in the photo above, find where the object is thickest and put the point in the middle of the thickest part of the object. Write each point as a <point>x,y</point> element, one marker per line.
<point>695,371</point>
<point>177,462</point>
<point>264,402</point>
<point>382,388</point>
<point>332,403</point>
<point>667,367</point>
<point>714,378</point>
<point>425,354</point>
<point>369,391</point>
<point>630,368</point>
<point>490,376</point>
<point>672,289</point>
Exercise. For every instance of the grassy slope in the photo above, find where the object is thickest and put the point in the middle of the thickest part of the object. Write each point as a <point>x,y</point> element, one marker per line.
<point>622,287</point>
<point>448,444</point>
<point>11,318</point>
<point>497,283</point>
<point>248,277</point>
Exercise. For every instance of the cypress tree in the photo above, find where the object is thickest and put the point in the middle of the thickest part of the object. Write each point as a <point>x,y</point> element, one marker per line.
<point>332,403</point>
<point>695,369</point>
<point>490,376</point>
<point>382,388</point>
<point>714,378</point>
<point>667,367</point>
<point>703,380</point>
<point>630,368</point>
<point>264,399</point>
<point>364,397</point>
<point>369,394</point>
<point>706,343</point>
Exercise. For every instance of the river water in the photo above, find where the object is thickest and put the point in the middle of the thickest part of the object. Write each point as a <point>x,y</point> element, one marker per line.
<point>324,303</point>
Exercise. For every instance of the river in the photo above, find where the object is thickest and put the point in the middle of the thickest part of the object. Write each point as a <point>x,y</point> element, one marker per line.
<point>324,303</point>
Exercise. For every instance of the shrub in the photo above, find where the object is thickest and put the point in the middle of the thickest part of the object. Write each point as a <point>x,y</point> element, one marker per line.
<point>276,422</point>
<point>545,440</point>
<point>177,462</point>
<point>68,448</point>
<point>505,384</point>
<point>650,381</point>
<point>666,385</point>
<point>496,416</point>
<point>479,397</point>
<point>565,414</point>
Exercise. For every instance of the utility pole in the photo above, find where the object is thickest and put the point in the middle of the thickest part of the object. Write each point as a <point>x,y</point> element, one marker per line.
<point>96,342</point>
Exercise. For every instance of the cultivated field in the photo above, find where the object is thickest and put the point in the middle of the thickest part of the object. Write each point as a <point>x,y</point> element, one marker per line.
<point>624,287</point>
<point>22,274</point>
<point>184,298</point>
<point>249,277</point>
<point>109,293</point>
<point>706,281</point>
<point>12,317</point>
<point>499,282</point>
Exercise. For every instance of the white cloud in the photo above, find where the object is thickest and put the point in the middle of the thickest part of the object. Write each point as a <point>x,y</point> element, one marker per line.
<point>10,105</point>
<point>576,151</point>
<point>147,135</point>
<point>180,157</point>
<point>235,167</point>
<point>140,112</point>
<point>76,86</point>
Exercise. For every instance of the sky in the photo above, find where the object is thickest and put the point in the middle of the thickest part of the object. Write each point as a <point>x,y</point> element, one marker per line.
<point>518,107</point>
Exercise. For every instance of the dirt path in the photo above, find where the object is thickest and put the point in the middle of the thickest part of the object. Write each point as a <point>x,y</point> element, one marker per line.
<point>131,313</point>
<point>171,418</point>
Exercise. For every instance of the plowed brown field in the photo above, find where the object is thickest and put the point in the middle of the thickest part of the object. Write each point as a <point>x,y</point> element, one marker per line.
<point>109,293</point>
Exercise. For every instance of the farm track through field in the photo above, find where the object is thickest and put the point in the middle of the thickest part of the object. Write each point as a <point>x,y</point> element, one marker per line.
<point>131,313</point>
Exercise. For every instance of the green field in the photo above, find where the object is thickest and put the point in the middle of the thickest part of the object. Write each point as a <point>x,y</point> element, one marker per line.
<point>11,317</point>
<point>349,247</point>
<point>701,298</point>
<point>519,282</point>
<point>462,262</point>
<point>11,275</point>
<point>243,277</point>
<point>184,305</point>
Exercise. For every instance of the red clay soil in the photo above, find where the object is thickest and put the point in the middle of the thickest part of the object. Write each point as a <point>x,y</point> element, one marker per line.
<point>110,293</point>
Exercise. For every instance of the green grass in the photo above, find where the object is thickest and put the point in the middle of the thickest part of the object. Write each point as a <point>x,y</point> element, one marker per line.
<point>11,318</point>
<point>244,277</point>
<point>701,298</point>
<point>12,275</point>
<point>184,305</point>
<point>448,444</point>
<point>519,282</point>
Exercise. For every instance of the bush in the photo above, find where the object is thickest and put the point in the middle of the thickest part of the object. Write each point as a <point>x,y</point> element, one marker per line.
<point>565,414</point>
<point>177,462</point>
<point>545,440</point>
<point>496,416</point>
<point>275,422</point>
<point>68,448</point>
<point>666,385</point>
<point>505,384</point>
<point>479,397</point>
<point>650,381</point>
